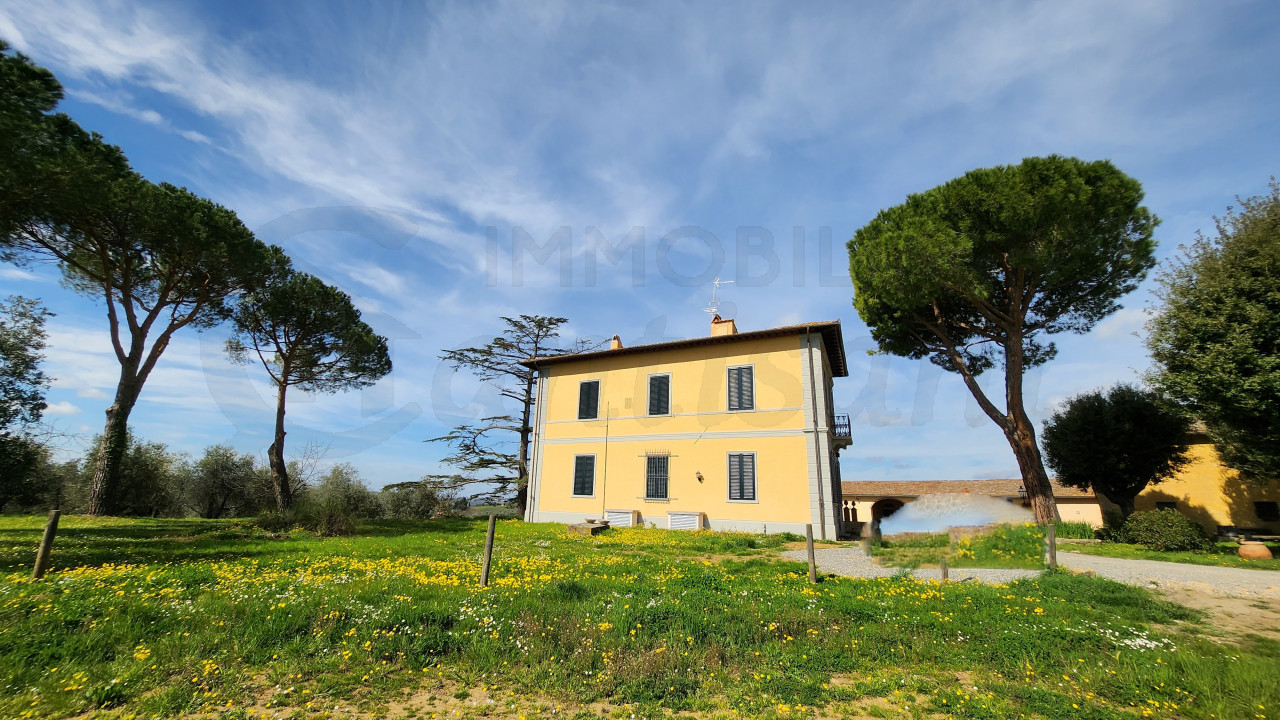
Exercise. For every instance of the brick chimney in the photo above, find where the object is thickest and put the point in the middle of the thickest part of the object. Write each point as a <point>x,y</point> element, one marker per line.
<point>615,343</point>
<point>723,327</point>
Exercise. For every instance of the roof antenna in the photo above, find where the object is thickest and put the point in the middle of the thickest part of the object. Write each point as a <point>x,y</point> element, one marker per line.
<point>713,307</point>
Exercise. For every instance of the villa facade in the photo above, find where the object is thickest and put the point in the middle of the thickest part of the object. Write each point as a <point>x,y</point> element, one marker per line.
<point>732,431</point>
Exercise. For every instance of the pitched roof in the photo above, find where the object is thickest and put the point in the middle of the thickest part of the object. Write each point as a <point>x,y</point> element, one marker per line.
<point>915,488</point>
<point>832,339</point>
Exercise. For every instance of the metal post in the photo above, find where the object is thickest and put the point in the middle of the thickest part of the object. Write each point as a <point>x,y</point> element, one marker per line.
<point>1053,547</point>
<point>488,552</point>
<point>942,565</point>
<point>813,564</point>
<point>46,545</point>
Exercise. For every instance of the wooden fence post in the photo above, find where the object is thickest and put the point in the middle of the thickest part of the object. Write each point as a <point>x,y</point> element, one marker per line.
<point>46,545</point>
<point>1053,547</point>
<point>488,552</point>
<point>813,565</point>
<point>942,566</point>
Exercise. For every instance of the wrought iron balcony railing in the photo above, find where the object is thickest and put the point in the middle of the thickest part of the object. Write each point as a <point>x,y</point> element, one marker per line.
<point>840,427</point>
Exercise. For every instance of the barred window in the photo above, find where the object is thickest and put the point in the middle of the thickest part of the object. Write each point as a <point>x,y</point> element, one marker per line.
<point>655,486</point>
<point>742,476</point>
<point>741,390</point>
<point>584,474</point>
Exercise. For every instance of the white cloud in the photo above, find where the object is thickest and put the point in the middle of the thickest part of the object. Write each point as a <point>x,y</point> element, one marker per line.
<point>1123,323</point>
<point>121,106</point>
<point>17,274</point>
<point>62,408</point>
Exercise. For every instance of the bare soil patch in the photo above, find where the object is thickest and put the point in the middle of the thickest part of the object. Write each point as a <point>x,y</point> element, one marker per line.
<point>1230,617</point>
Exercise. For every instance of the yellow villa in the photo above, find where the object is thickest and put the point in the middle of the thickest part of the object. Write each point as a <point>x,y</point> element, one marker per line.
<point>731,431</point>
<point>1213,495</point>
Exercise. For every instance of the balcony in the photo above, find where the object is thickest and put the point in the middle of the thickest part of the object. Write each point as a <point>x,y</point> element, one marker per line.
<point>840,430</point>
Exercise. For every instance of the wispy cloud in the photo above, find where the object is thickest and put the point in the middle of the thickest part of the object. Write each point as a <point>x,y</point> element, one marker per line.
<point>458,117</point>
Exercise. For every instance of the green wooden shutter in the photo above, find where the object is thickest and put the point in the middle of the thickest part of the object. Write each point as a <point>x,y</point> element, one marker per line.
<point>742,476</point>
<point>735,477</point>
<point>589,400</point>
<point>741,391</point>
<point>748,388</point>
<point>659,394</point>
<point>584,475</point>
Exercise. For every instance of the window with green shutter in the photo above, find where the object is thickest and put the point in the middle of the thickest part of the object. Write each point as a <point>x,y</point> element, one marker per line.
<point>584,475</point>
<point>588,400</point>
<point>655,487</point>
<point>660,394</point>
<point>741,389</point>
<point>742,476</point>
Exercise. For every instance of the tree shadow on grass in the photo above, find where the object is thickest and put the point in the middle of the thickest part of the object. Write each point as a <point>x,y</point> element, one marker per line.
<point>153,541</point>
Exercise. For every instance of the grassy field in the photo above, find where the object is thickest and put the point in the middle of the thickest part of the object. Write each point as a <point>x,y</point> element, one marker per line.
<point>1010,546</point>
<point>1221,554</point>
<point>145,618</point>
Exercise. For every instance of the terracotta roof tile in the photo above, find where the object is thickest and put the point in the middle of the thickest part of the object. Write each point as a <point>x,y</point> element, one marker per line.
<point>832,338</point>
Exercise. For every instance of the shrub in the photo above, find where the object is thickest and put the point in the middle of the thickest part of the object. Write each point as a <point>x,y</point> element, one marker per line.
<point>1162,530</point>
<point>411,501</point>
<point>277,522</point>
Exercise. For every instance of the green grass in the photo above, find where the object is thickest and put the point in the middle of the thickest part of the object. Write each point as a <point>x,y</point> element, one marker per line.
<point>1075,530</point>
<point>1222,554</point>
<point>219,619</point>
<point>1016,546</point>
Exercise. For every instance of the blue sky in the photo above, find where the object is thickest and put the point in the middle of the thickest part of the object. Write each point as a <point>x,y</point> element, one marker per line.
<point>402,152</point>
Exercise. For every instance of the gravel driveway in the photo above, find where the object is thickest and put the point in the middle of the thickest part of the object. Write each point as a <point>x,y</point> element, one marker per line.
<point>1231,582</point>
<point>852,562</point>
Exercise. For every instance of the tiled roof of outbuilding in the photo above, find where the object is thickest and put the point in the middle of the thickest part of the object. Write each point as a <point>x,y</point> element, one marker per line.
<point>1004,488</point>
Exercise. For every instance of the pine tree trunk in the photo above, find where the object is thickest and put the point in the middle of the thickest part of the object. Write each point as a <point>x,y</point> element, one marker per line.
<point>113,446</point>
<point>275,456</point>
<point>1021,434</point>
<point>522,460</point>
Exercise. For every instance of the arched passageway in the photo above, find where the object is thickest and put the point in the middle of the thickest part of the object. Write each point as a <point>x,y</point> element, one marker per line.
<point>882,509</point>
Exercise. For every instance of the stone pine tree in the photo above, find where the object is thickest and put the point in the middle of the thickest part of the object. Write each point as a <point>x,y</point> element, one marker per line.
<point>1215,338</point>
<point>973,274</point>
<point>309,335</point>
<point>157,256</point>
<point>1116,443</point>
<point>161,259</point>
<point>480,453</point>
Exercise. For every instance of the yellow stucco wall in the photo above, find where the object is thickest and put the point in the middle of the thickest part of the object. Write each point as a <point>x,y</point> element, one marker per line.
<point>698,434</point>
<point>1080,510</point>
<point>1211,494</point>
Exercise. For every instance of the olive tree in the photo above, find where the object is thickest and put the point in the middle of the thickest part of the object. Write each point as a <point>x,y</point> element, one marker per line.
<point>975,273</point>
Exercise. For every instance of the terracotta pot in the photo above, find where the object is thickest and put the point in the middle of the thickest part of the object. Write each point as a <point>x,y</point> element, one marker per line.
<point>1254,551</point>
